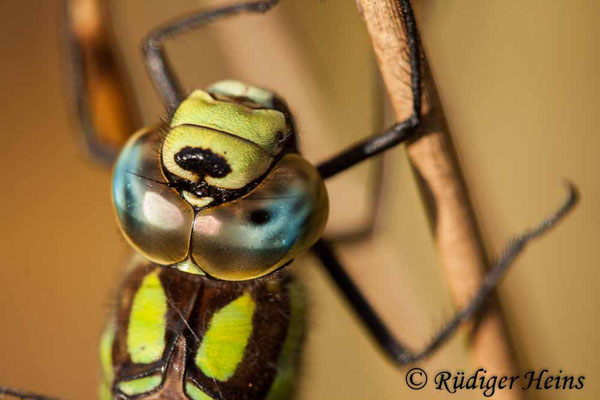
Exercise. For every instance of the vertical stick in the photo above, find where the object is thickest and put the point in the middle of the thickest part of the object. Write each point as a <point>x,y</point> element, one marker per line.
<point>442,186</point>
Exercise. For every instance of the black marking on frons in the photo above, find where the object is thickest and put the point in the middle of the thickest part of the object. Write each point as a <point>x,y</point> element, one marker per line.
<point>201,188</point>
<point>202,162</point>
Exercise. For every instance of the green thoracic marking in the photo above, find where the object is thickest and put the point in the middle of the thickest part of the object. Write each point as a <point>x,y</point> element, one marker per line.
<point>141,385</point>
<point>223,345</point>
<point>283,385</point>
<point>146,331</point>
<point>195,393</point>
<point>106,343</point>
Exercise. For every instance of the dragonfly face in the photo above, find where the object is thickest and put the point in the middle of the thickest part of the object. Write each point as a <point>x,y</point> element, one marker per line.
<point>220,191</point>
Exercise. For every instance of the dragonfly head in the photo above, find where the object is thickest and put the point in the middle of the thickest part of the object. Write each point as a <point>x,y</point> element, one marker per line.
<point>222,141</point>
<point>221,190</point>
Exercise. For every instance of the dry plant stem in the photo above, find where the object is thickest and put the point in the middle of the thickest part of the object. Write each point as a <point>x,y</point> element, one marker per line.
<point>435,164</point>
<point>105,86</point>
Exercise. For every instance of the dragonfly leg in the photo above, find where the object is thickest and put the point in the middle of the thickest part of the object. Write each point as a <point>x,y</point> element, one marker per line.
<point>391,346</point>
<point>99,86</point>
<point>19,394</point>
<point>397,133</point>
<point>157,63</point>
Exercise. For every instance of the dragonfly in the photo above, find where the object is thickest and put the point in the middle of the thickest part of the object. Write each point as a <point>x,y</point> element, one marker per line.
<point>217,201</point>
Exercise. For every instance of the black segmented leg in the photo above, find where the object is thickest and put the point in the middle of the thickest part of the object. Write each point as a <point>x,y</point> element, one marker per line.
<point>157,63</point>
<point>377,180</point>
<point>397,133</point>
<point>391,346</point>
<point>23,395</point>
<point>170,89</point>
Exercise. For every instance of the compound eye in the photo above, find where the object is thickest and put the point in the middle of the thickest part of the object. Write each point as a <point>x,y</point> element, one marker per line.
<point>151,215</point>
<point>257,234</point>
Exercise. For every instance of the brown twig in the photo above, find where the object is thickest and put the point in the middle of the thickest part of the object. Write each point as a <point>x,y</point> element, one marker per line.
<point>435,164</point>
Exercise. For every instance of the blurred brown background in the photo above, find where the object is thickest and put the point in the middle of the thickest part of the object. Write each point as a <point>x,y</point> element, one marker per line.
<point>520,85</point>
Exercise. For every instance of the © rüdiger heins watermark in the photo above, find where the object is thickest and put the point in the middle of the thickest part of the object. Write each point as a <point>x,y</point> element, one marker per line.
<point>452,382</point>
<point>529,380</point>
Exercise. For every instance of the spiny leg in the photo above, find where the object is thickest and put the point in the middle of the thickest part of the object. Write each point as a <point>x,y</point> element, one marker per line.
<point>399,132</point>
<point>99,86</point>
<point>391,346</point>
<point>375,145</point>
<point>157,63</point>
<point>19,394</point>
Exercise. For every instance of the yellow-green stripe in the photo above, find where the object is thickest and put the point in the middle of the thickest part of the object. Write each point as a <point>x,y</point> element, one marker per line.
<point>141,385</point>
<point>195,393</point>
<point>225,340</point>
<point>147,324</point>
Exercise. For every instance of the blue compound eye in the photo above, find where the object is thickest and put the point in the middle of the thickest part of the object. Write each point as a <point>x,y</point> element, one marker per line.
<point>258,233</point>
<point>152,216</point>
